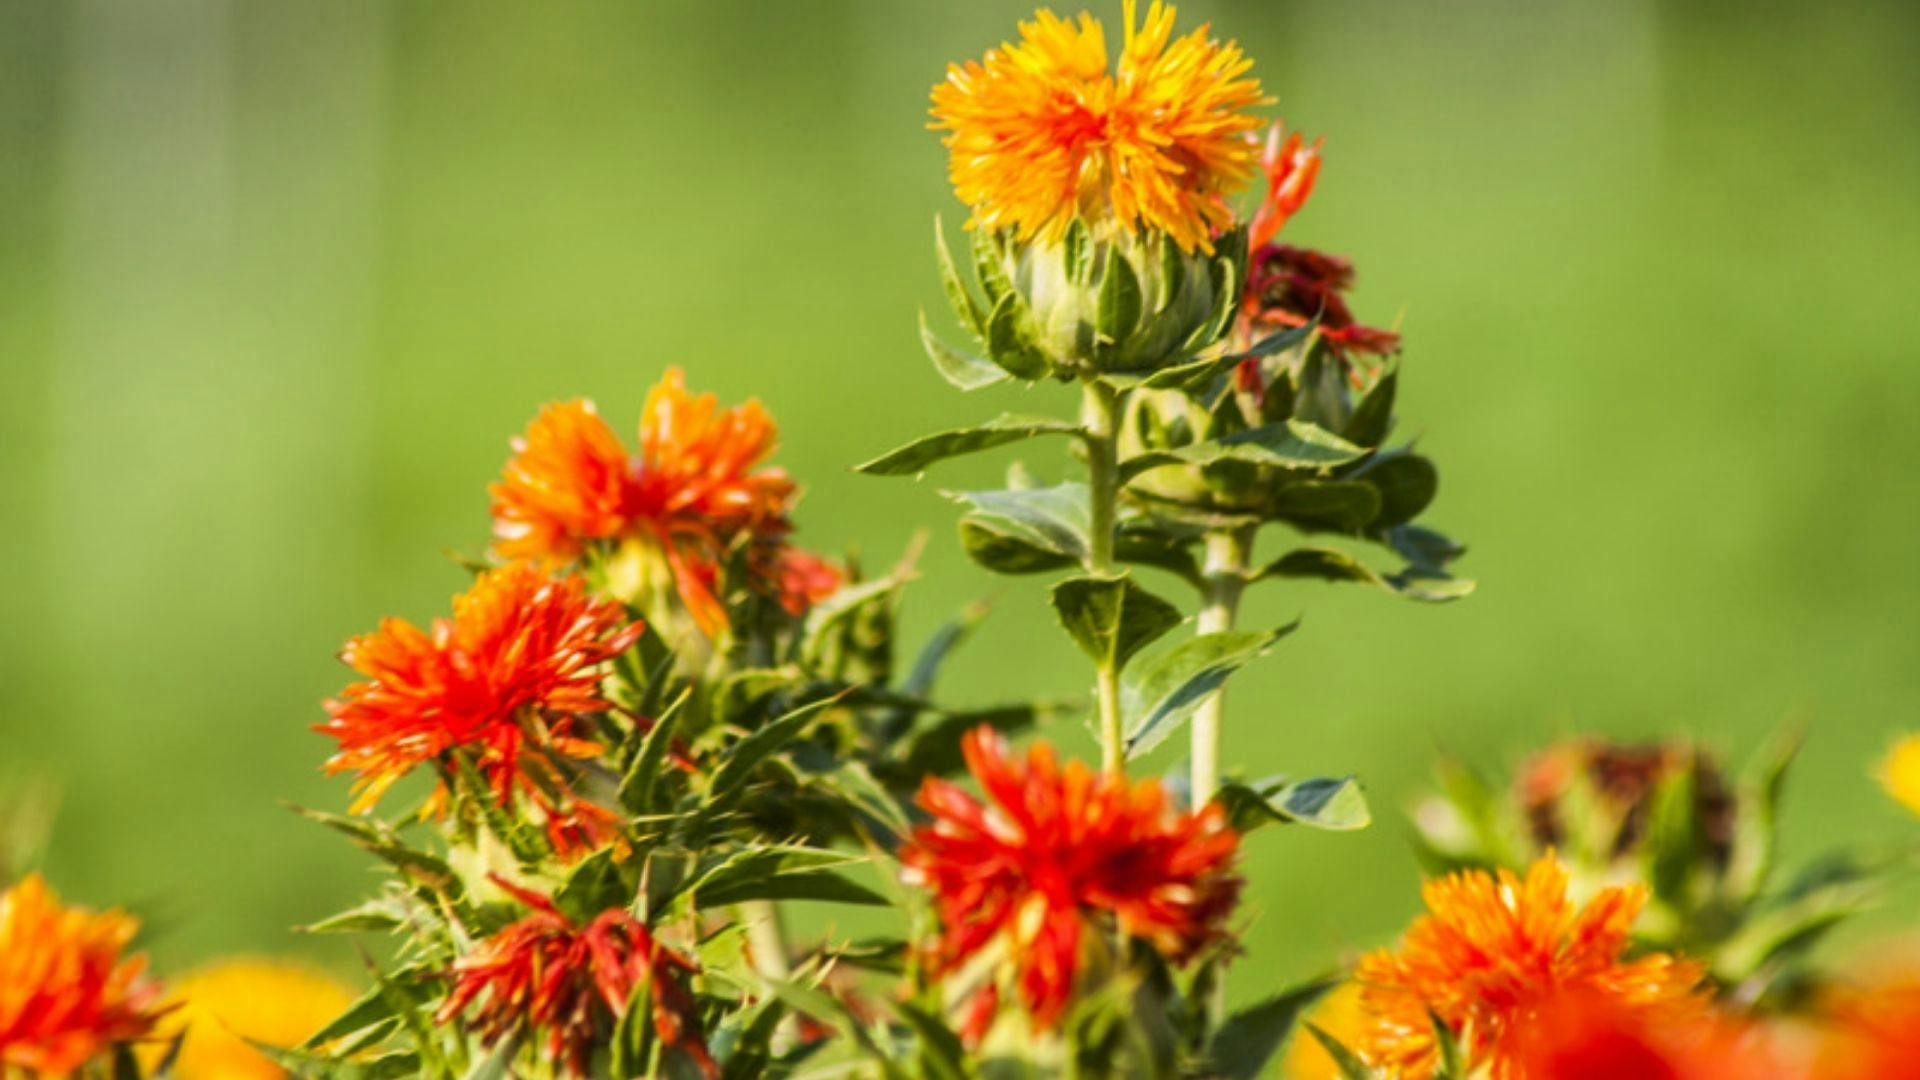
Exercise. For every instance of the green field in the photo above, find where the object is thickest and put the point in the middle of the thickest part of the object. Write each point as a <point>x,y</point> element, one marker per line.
<point>278,280</point>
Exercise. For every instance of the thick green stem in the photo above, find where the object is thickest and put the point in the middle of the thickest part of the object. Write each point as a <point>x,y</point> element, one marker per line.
<point>1225,570</point>
<point>1100,414</point>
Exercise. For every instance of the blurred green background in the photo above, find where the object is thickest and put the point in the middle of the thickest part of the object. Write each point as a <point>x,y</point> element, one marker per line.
<point>278,280</point>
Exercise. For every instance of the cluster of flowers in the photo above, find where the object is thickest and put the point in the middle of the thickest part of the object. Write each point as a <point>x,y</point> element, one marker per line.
<point>651,722</point>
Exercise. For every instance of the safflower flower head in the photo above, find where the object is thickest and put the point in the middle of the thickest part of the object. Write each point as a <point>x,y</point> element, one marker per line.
<point>1899,772</point>
<point>225,1006</point>
<point>547,974</point>
<point>1058,851</point>
<point>508,680</point>
<point>68,991</point>
<point>1291,166</point>
<point>1041,132</point>
<point>695,488</point>
<point>1491,952</point>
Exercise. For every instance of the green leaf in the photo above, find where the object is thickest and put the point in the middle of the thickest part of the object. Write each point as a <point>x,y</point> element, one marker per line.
<point>1407,484</point>
<point>498,1064</point>
<point>419,867</point>
<point>964,371</point>
<point>1674,839</point>
<point>1112,618</point>
<point>637,787</point>
<point>1010,340</point>
<point>914,457</point>
<point>1801,917</point>
<point>371,1008</point>
<point>1328,564</point>
<point>1162,693</point>
<point>1290,444</point>
<point>1422,547</point>
<point>1344,1059</point>
<point>1320,389</point>
<point>592,886</point>
<point>828,616</point>
<point>1336,804</point>
<point>1119,304</point>
<point>1001,547</point>
<point>835,1013</point>
<point>1242,1047</point>
<point>1346,505</point>
<point>926,666</point>
<point>377,915</point>
<point>959,297</point>
<point>1053,519</point>
<point>941,1055</point>
<point>742,758</point>
<point>1756,825</point>
<point>782,872</point>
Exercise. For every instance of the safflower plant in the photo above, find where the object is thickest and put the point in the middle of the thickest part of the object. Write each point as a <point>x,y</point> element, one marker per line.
<point>651,724</point>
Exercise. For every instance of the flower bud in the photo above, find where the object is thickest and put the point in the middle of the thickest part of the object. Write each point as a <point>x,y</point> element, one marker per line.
<point>1103,300</point>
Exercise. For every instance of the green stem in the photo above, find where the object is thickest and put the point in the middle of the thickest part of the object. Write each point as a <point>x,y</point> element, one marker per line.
<point>1100,414</point>
<point>1225,578</point>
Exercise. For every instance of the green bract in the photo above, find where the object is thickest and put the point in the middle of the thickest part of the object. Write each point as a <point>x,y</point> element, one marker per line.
<point>1096,301</point>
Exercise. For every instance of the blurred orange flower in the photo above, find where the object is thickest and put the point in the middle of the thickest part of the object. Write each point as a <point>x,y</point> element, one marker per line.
<point>693,489</point>
<point>806,579</point>
<point>1058,848</point>
<point>68,992</point>
<point>545,973</point>
<point>1587,1036</point>
<point>1873,1033</point>
<point>1040,132</point>
<point>507,679</point>
<point>1492,951</point>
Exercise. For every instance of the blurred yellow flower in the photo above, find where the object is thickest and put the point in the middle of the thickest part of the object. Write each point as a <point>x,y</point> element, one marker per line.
<point>1338,1014</point>
<point>1900,772</point>
<point>227,1003</point>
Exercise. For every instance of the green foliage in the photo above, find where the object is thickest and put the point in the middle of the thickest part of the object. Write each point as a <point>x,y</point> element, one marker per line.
<point>1163,692</point>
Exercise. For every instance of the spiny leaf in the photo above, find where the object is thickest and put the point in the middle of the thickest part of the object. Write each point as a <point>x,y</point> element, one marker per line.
<point>1289,444</point>
<point>959,297</point>
<point>1242,1047</point>
<point>963,370</point>
<point>1053,519</point>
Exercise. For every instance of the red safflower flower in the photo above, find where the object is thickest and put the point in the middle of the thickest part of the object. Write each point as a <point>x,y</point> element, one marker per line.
<point>545,973</point>
<point>1289,286</point>
<point>805,579</point>
<point>1291,167</point>
<point>67,991</point>
<point>1057,849</point>
<point>1492,953</point>
<point>508,678</point>
<point>693,489</point>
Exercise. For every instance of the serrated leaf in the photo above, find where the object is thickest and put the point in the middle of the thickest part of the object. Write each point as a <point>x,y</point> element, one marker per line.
<point>962,370</point>
<point>638,786</point>
<point>1334,803</point>
<point>1248,1040</point>
<point>374,916</point>
<point>1053,519</point>
<point>1163,692</point>
<point>914,457</point>
<point>1003,549</point>
<point>1328,564</point>
<point>782,872</point>
<point>1112,618</point>
<point>742,758</point>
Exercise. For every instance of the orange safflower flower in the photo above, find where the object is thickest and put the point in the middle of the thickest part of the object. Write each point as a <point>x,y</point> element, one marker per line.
<point>1492,951</point>
<point>1059,849</point>
<point>68,992</point>
<point>1872,1033</point>
<point>507,679</point>
<point>545,973</point>
<point>1291,166</point>
<point>1584,1036</point>
<point>693,489</point>
<point>1040,132</point>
